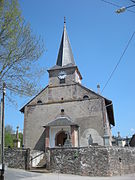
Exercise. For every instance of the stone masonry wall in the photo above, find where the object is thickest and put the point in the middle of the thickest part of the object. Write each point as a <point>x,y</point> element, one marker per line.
<point>92,161</point>
<point>17,158</point>
<point>121,160</point>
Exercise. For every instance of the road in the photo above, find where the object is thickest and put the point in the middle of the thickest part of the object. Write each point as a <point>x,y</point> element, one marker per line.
<point>16,174</point>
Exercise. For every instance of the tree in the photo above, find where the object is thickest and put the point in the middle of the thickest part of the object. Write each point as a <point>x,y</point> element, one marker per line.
<point>9,136</point>
<point>8,140</point>
<point>9,129</point>
<point>19,51</point>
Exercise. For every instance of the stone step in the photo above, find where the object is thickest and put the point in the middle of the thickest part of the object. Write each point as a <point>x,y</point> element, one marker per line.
<point>42,163</point>
<point>39,170</point>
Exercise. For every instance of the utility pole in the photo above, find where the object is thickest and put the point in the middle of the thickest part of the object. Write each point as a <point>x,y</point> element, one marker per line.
<point>2,129</point>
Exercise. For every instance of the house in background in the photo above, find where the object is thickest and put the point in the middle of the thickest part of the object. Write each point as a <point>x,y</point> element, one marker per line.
<point>65,112</point>
<point>121,141</point>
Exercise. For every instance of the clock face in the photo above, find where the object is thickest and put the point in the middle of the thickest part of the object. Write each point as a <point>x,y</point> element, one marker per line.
<point>62,75</point>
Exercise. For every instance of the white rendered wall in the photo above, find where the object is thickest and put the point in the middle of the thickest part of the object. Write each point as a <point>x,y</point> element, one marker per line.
<point>76,138</point>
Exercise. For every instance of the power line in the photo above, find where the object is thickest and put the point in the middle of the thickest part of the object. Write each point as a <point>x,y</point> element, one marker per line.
<point>116,5</point>
<point>110,3</point>
<point>118,61</point>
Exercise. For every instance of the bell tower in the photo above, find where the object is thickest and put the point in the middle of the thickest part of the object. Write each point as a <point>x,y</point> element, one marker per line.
<point>65,71</point>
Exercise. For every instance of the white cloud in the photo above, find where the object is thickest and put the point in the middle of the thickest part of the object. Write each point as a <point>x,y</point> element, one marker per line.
<point>132,130</point>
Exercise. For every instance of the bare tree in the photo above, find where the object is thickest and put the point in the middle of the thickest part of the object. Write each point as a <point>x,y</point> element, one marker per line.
<point>19,51</point>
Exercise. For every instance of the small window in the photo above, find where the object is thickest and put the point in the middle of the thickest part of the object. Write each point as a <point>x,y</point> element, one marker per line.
<point>62,81</point>
<point>62,110</point>
<point>39,102</point>
<point>85,97</point>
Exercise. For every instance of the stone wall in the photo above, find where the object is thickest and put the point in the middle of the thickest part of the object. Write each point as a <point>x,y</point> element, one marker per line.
<point>121,160</point>
<point>89,161</point>
<point>92,161</point>
<point>17,158</point>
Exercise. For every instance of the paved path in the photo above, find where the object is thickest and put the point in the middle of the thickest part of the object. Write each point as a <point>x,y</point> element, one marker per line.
<point>15,174</point>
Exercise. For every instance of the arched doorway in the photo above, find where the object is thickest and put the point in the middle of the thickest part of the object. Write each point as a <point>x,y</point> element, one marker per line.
<point>60,138</point>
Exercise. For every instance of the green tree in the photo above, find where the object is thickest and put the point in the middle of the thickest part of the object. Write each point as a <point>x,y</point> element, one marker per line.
<point>8,140</point>
<point>9,136</point>
<point>20,50</point>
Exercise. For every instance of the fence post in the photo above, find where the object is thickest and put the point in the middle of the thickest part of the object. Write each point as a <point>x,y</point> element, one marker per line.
<point>27,159</point>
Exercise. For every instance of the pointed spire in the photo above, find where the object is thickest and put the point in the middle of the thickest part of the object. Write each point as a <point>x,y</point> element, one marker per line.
<point>65,55</point>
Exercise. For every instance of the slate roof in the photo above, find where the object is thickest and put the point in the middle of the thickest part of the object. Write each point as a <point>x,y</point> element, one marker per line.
<point>65,55</point>
<point>61,121</point>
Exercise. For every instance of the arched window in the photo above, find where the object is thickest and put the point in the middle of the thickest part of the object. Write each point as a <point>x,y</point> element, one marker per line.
<point>39,102</point>
<point>85,97</point>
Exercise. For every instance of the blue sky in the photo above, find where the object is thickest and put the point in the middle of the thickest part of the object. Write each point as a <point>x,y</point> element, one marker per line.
<point>98,37</point>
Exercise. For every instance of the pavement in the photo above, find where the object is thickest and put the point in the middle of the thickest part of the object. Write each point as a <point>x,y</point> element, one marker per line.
<point>17,174</point>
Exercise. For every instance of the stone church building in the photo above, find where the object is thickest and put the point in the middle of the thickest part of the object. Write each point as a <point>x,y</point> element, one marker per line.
<point>65,113</point>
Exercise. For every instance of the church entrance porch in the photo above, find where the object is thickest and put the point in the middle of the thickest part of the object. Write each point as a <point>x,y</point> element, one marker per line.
<point>61,132</point>
<point>60,138</point>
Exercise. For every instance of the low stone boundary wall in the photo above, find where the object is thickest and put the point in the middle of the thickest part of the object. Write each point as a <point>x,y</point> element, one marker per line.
<point>17,158</point>
<point>92,161</point>
<point>121,160</point>
<point>89,161</point>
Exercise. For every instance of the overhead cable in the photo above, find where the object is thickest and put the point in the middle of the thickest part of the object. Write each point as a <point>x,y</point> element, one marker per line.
<point>116,5</point>
<point>112,73</point>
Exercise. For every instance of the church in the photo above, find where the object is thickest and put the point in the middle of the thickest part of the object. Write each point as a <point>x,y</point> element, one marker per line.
<point>65,113</point>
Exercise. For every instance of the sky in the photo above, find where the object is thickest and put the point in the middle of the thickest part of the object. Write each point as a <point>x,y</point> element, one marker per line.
<point>98,37</point>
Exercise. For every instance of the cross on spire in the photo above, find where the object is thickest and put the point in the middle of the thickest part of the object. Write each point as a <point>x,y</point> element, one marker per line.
<point>64,20</point>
